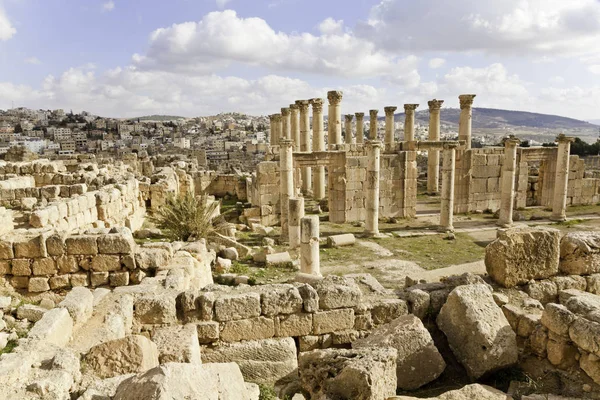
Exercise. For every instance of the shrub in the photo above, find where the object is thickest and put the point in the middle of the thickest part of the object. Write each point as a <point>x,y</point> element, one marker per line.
<point>185,217</point>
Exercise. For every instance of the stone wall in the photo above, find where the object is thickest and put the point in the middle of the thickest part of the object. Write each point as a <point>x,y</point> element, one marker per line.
<point>222,185</point>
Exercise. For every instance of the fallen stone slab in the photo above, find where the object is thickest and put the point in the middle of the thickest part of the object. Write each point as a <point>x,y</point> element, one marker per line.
<point>346,239</point>
<point>282,260</point>
<point>521,254</point>
<point>55,327</point>
<point>419,361</point>
<point>365,373</point>
<point>478,333</point>
<point>79,302</point>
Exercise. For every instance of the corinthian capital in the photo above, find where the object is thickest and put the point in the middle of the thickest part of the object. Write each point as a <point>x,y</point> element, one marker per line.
<point>317,104</point>
<point>349,117</point>
<point>373,113</point>
<point>277,117</point>
<point>359,115</point>
<point>294,107</point>
<point>302,105</point>
<point>389,110</point>
<point>410,107</point>
<point>466,100</point>
<point>435,104</point>
<point>285,111</point>
<point>334,97</point>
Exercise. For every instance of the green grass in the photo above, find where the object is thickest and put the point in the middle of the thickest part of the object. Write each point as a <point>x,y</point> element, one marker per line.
<point>239,268</point>
<point>10,346</point>
<point>570,223</point>
<point>341,254</point>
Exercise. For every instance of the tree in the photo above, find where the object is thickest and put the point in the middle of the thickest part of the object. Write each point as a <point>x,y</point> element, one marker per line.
<point>18,128</point>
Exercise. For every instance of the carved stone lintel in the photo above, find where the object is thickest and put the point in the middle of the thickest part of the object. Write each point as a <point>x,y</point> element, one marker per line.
<point>389,110</point>
<point>435,104</point>
<point>359,115</point>
<point>317,104</point>
<point>349,117</point>
<point>410,107</point>
<point>334,97</point>
<point>466,100</point>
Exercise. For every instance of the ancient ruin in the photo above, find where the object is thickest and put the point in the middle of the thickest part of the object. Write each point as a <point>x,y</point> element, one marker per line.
<point>97,303</point>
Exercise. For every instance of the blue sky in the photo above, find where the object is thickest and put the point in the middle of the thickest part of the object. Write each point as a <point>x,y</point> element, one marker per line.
<point>126,58</point>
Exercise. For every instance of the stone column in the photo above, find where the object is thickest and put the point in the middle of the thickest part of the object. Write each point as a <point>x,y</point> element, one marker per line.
<point>286,132</point>
<point>318,145</point>
<point>372,124</point>
<point>277,118</point>
<point>272,129</point>
<point>309,246</point>
<point>286,180</point>
<point>360,127</point>
<point>334,118</point>
<point>389,126</point>
<point>372,187</point>
<point>305,144</point>
<point>409,122</point>
<point>464,124</point>
<point>348,129</point>
<point>295,126</point>
<point>507,190</point>
<point>433,156</point>
<point>447,210</point>
<point>296,213</point>
<point>559,203</point>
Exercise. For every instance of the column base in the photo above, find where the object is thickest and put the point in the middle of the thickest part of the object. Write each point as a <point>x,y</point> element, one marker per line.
<point>445,229</point>
<point>429,193</point>
<point>504,224</point>
<point>558,218</point>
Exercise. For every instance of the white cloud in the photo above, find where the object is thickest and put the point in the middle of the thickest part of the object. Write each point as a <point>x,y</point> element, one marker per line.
<point>6,29</point>
<point>436,63</point>
<point>331,26</point>
<point>557,80</point>
<point>108,6</point>
<point>222,38</point>
<point>32,60</point>
<point>222,3</point>
<point>594,69</point>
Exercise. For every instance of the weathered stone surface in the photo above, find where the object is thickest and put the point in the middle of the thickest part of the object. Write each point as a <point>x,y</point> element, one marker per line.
<point>44,266</point>
<point>177,343</point>
<point>590,363</point>
<point>248,329</point>
<point>469,392</point>
<point>520,254</point>
<point>55,327</point>
<point>280,299</point>
<point>82,245</point>
<point>208,331</point>
<point>331,321</point>
<point>470,312</point>
<point>580,253</point>
<point>419,361</point>
<point>152,258</point>
<point>557,318</point>
<point>586,335</point>
<point>544,291</point>
<point>387,310</point>
<point>230,307</point>
<point>80,304</point>
<point>561,353</point>
<point>185,381</point>
<point>346,239</point>
<point>294,324</point>
<point>310,297</point>
<point>30,312</point>
<point>583,303</point>
<point>338,292</point>
<point>116,243</point>
<point>131,354</point>
<point>366,373</point>
<point>105,263</point>
<point>38,284</point>
<point>155,308</point>
<point>261,361</point>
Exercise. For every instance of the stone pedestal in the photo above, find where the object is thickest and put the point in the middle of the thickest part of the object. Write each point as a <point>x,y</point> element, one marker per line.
<point>464,123</point>
<point>309,246</point>
<point>286,168</point>
<point>360,127</point>
<point>334,118</point>
<point>305,145</point>
<point>373,124</point>
<point>295,126</point>
<point>507,196</point>
<point>447,209</point>
<point>373,148</point>
<point>389,126</point>
<point>433,156</point>
<point>296,213</point>
<point>318,145</point>
<point>348,129</point>
<point>559,204</point>
<point>409,122</point>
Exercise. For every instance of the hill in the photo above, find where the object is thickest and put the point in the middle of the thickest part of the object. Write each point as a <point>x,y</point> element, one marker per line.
<point>158,118</point>
<point>495,118</point>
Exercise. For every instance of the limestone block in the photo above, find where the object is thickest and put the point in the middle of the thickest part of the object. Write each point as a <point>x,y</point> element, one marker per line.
<point>118,279</point>
<point>521,254</point>
<point>561,353</point>
<point>419,361</point>
<point>470,392</point>
<point>527,324</point>
<point>28,246</point>
<point>338,292</point>
<point>31,312</point>
<point>229,307</point>
<point>55,245</point>
<point>80,279</point>
<point>280,299</point>
<point>67,264</point>
<point>346,239</point>
<point>38,284</point>
<point>281,260</point>
<point>334,320</point>
<point>79,302</point>
<point>147,258</point>
<point>59,282</point>
<point>207,331</point>
<point>590,364</point>
<point>570,282</point>
<point>6,249</point>
<point>366,373</point>
<point>20,282</point>
<point>82,245</point>
<point>593,283</point>
<point>44,266</point>
<point>177,343</point>
<point>580,253</point>
<point>105,262</point>
<point>586,335</point>
<point>557,318</point>
<point>116,243</point>
<point>294,324</point>
<point>493,341</point>
<point>581,303</point>
<point>310,297</point>
<point>247,329</point>
<point>261,361</point>
<point>131,354</point>
<point>55,327</point>
<point>387,310</point>
<point>186,381</point>
<point>544,291</point>
<point>155,308</point>
<point>21,267</point>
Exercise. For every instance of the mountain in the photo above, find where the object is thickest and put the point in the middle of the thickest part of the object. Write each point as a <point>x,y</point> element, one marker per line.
<point>594,121</point>
<point>495,118</point>
<point>158,118</point>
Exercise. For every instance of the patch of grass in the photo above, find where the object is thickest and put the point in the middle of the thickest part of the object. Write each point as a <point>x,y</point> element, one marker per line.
<point>570,222</point>
<point>10,346</point>
<point>338,255</point>
<point>433,252</point>
<point>239,268</point>
<point>266,393</point>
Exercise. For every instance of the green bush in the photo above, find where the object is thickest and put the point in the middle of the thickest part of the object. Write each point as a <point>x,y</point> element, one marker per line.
<point>185,217</point>
<point>266,393</point>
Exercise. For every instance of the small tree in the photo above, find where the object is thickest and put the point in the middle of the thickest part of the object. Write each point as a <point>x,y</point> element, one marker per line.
<point>185,217</point>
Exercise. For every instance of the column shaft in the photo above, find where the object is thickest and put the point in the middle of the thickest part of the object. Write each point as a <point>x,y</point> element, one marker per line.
<point>286,132</point>
<point>309,246</point>
<point>348,129</point>
<point>318,145</point>
<point>507,195</point>
<point>372,124</point>
<point>559,204</point>
<point>295,126</point>
<point>334,118</point>
<point>272,129</point>
<point>372,187</point>
<point>447,210</point>
<point>305,144</point>
<point>296,213</point>
<point>286,168</point>
<point>433,156</point>
<point>389,126</point>
<point>360,127</point>
<point>464,124</point>
<point>409,122</point>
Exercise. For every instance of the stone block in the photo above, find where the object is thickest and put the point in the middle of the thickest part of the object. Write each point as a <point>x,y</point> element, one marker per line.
<point>280,299</point>
<point>55,245</point>
<point>557,318</point>
<point>30,246</point>
<point>79,302</point>
<point>294,325</point>
<point>580,253</point>
<point>177,343</point>
<point>55,327</point>
<point>59,282</point>
<point>6,249</point>
<point>116,243</point>
<point>155,308</point>
<point>544,291</point>
<point>229,307</point>
<point>38,284</point>
<point>131,354</point>
<point>334,320</point>
<point>118,279</point>
<point>82,245</point>
<point>207,331</point>
<point>44,266</point>
<point>20,282</point>
<point>247,329</point>
<point>386,310</point>
<point>31,312</point>
<point>586,335</point>
<point>98,278</point>
<point>338,292</point>
<point>105,263</point>
<point>21,267</point>
<point>80,279</point>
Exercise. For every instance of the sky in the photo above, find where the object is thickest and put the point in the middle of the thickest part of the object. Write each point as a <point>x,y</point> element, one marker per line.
<point>127,58</point>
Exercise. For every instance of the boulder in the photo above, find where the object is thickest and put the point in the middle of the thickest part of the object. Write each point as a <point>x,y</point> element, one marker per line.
<point>361,374</point>
<point>55,327</point>
<point>185,381</point>
<point>229,253</point>
<point>80,304</point>
<point>521,254</point>
<point>580,253</point>
<point>131,354</point>
<point>419,361</point>
<point>469,392</point>
<point>470,312</point>
<point>177,343</point>
<point>31,312</point>
<point>338,292</point>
